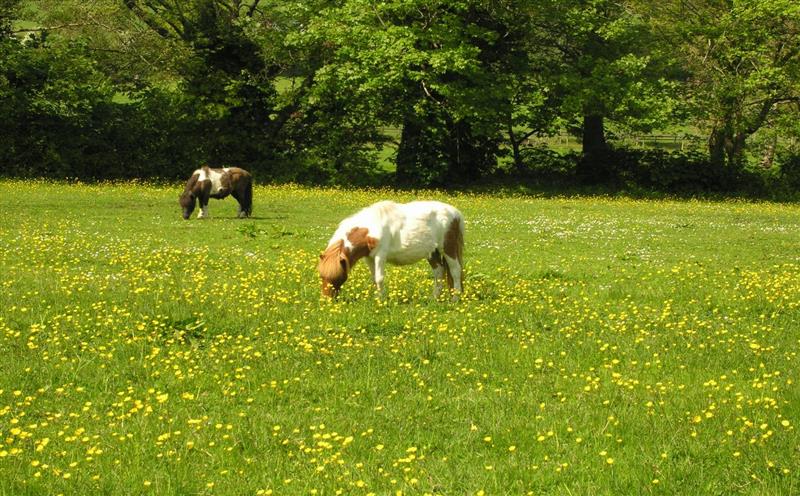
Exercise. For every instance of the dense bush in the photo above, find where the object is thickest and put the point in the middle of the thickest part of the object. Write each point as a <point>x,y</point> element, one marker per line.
<point>543,164</point>
<point>657,170</point>
<point>62,118</point>
<point>789,175</point>
<point>672,171</point>
<point>436,151</point>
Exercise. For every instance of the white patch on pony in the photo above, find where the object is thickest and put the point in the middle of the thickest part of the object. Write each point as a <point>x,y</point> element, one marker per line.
<point>214,176</point>
<point>438,276</point>
<point>203,213</point>
<point>216,181</point>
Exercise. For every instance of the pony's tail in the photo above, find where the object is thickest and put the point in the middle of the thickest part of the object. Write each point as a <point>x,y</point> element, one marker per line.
<point>247,196</point>
<point>454,247</point>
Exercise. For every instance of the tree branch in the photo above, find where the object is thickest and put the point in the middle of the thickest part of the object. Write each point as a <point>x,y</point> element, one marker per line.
<point>253,8</point>
<point>149,20</point>
<point>766,107</point>
<point>50,28</point>
<point>427,92</point>
<point>181,30</point>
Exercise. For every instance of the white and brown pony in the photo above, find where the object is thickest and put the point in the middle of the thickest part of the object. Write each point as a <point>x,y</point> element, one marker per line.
<point>208,183</point>
<point>398,233</point>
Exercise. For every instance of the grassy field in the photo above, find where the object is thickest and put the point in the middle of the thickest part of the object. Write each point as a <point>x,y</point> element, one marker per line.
<point>604,346</point>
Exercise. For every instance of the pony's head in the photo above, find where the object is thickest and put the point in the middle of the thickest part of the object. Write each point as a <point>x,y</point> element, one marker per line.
<point>188,202</point>
<point>333,268</point>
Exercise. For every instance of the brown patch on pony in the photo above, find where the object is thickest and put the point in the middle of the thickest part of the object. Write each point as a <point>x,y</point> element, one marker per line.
<point>237,173</point>
<point>435,260</point>
<point>454,247</point>
<point>454,240</point>
<point>333,267</point>
<point>362,243</point>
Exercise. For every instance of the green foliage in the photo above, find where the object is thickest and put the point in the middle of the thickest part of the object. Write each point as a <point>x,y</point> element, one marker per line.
<point>436,68</point>
<point>51,100</point>
<point>743,59</point>
<point>305,91</point>
<point>790,172</point>
<point>607,62</point>
<point>675,172</point>
<point>542,163</point>
<point>8,9</point>
<point>62,120</point>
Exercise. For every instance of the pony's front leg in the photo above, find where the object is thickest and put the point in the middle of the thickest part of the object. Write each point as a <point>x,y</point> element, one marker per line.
<point>438,273</point>
<point>377,265</point>
<point>203,213</point>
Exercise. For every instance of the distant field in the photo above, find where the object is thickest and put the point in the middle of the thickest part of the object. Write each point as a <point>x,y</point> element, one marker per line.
<point>604,346</point>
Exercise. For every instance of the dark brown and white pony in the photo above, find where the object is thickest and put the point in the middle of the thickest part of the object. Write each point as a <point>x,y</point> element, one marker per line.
<point>399,234</point>
<point>208,183</point>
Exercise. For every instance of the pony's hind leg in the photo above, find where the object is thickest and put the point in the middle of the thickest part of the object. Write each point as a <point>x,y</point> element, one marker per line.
<point>241,213</point>
<point>453,275</point>
<point>437,267</point>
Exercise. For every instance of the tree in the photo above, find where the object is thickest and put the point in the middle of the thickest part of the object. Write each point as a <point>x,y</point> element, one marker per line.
<point>443,72</point>
<point>744,63</point>
<point>608,67</point>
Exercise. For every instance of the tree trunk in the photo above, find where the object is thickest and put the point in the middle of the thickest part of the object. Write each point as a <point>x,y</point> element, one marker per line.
<point>471,155</point>
<point>594,167</point>
<point>516,144</point>
<point>726,148</point>
<point>735,150</point>
<point>716,146</point>
<point>421,154</point>
<point>407,161</point>
<point>769,154</point>
<point>515,150</point>
<point>594,134</point>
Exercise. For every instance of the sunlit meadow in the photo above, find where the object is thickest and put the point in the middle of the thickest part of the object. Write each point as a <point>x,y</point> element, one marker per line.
<point>604,346</point>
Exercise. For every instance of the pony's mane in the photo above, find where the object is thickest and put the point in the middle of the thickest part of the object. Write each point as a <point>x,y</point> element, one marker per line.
<point>330,267</point>
<point>190,183</point>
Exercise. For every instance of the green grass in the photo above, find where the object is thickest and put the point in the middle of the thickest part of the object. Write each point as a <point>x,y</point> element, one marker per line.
<point>604,346</point>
